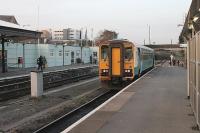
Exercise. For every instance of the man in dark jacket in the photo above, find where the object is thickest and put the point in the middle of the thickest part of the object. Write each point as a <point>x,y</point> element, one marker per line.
<point>40,63</point>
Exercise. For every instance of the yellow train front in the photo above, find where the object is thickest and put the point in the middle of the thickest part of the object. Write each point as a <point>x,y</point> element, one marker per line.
<point>121,60</point>
<point>116,61</point>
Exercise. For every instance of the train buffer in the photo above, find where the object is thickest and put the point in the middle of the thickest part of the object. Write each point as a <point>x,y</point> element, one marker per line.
<point>157,103</point>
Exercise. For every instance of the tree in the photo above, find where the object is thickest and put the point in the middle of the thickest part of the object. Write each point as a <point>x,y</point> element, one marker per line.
<point>105,36</point>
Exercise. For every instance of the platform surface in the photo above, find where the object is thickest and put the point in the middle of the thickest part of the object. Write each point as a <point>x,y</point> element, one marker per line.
<point>17,72</point>
<point>155,104</point>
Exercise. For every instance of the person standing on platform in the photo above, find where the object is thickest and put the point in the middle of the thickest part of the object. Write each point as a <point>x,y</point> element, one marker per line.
<point>178,62</point>
<point>40,63</point>
<point>171,59</point>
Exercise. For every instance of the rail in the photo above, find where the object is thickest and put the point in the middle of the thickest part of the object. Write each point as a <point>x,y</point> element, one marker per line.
<point>68,119</point>
<point>17,87</point>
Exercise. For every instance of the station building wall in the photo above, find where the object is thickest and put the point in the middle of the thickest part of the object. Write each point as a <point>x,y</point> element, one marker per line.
<point>55,55</point>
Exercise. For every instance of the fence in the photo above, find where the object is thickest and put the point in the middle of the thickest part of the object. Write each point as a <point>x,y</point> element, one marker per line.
<point>194,75</point>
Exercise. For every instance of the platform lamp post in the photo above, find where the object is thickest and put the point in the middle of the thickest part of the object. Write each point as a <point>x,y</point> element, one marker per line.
<point>38,15</point>
<point>64,53</point>
<point>149,28</point>
<point>81,42</point>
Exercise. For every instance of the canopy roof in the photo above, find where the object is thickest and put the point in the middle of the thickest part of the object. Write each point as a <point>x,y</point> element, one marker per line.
<point>192,21</point>
<point>14,32</point>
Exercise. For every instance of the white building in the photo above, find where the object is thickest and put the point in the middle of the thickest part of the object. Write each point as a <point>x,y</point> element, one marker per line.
<point>71,34</point>
<point>66,34</point>
<point>57,35</point>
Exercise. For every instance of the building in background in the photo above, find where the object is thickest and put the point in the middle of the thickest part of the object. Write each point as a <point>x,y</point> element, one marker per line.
<point>66,36</point>
<point>71,34</point>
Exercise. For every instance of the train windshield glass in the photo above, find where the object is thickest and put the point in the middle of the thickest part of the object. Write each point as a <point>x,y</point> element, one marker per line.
<point>128,53</point>
<point>104,52</point>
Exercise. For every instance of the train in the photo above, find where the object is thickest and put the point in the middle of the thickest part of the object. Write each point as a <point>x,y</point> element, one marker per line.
<point>122,60</point>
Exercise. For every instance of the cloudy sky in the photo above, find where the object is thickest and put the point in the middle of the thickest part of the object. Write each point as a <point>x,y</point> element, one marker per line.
<point>130,18</point>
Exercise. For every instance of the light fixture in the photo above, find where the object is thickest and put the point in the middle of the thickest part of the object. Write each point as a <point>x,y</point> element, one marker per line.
<point>195,18</point>
<point>190,26</point>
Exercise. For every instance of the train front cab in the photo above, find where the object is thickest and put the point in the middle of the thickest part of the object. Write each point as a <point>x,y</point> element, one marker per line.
<point>104,66</point>
<point>116,62</point>
<point>129,62</point>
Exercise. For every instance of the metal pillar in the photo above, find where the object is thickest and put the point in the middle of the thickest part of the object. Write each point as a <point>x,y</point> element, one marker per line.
<point>81,44</point>
<point>3,54</point>
<point>63,55</point>
<point>197,84</point>
<point>188,71</point>
<point>149,35</point>
<point>23,64</point>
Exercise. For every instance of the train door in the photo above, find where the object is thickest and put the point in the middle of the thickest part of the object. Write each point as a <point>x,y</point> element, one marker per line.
<point>116,59</point>
<point>139,61</point>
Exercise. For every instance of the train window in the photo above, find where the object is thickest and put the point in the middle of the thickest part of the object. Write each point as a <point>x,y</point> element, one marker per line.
<point>104,52</point>
<point>128,53</point>
<point>95,54</point>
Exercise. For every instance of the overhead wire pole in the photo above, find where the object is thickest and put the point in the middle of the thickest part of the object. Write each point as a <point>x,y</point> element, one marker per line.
<point>92,37</point>
<point>92,43</point>
<point>149,34</point>
<point>38,13</point>
<point>81,43</point>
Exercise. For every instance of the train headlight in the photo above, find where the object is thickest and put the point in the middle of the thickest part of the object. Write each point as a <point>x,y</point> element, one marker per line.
<point>127,70</point>
<point>105,70</point>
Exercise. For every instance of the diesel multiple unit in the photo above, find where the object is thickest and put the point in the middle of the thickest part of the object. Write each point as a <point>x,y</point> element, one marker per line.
<point>122,60</point>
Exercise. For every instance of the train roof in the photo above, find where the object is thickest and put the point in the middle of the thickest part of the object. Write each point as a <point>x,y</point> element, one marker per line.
<point>119,40</point>
<point>144,47</point>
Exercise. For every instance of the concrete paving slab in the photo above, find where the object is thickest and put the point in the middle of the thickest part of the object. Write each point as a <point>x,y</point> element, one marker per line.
<point>159,105</point>
<point>118,102</point>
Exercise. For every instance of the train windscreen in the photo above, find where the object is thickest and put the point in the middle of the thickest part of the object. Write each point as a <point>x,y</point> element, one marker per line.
<point>104,52</point>
<point>128,53</point>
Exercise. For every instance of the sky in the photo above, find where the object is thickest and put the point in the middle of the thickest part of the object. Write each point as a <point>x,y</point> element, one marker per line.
<point>130,18</point>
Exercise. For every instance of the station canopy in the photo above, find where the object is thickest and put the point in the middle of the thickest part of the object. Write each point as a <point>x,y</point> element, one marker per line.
<point>15,32</point>
<point>192,22</point>
<point>11,31</point>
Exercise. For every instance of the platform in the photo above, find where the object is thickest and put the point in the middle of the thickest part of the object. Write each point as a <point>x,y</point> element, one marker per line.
<point>17,72</point>
<point>157,103</point>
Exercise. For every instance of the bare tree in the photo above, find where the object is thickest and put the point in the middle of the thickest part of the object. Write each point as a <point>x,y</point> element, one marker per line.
<point>105,36</point>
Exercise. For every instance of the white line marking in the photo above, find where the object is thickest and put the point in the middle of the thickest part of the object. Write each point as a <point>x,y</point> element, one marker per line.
<point>51,71</point>
<point>102,105</point>
<point>3,107</point>
<point>64,88</point>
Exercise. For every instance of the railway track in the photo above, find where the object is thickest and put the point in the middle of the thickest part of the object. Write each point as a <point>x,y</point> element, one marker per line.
<point>20,86</point>
<point>68,119</point>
